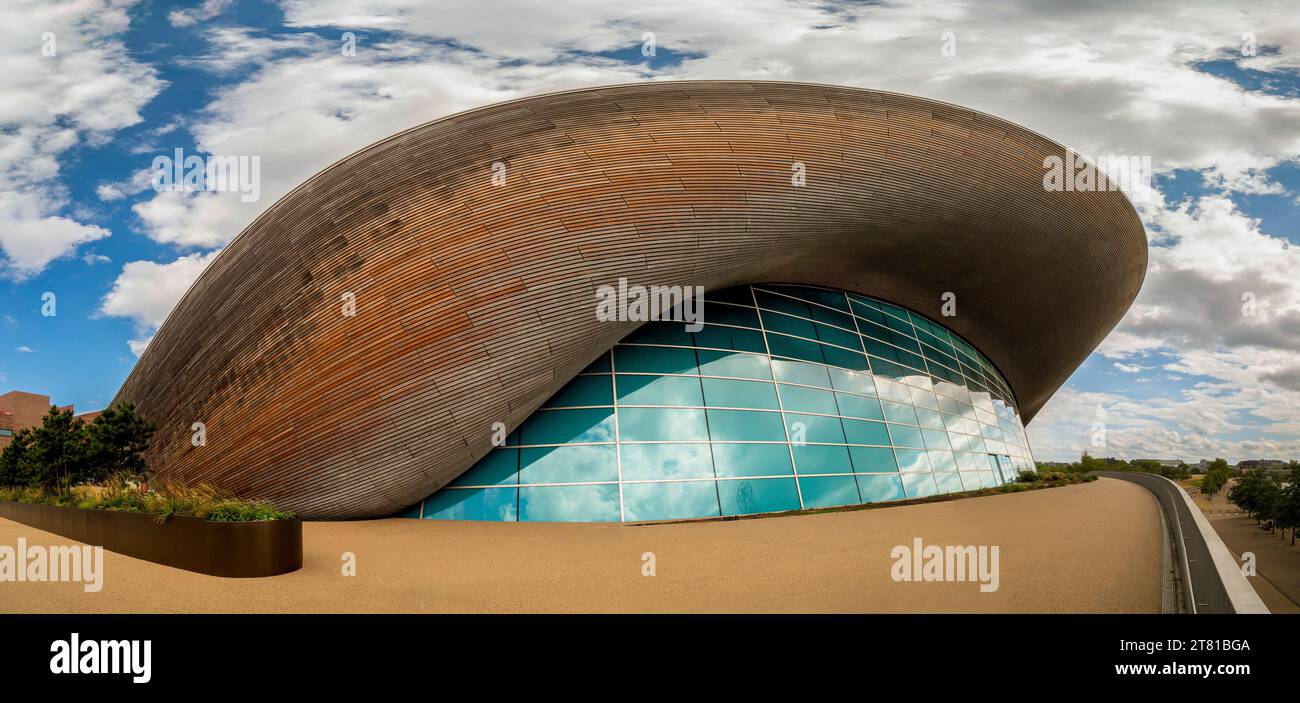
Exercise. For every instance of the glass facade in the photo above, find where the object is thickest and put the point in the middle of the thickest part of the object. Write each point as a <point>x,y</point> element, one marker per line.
<point>790,397</point>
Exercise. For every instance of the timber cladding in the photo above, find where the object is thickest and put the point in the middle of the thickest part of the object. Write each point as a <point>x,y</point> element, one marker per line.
<point>475,300</point>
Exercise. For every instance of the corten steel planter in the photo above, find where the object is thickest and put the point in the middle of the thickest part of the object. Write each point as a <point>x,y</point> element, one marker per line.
<point>230,549</point>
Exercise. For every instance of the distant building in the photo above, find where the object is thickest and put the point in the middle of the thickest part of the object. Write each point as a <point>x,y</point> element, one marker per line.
<point>20,410</point>
<point>1248,464</point>
<point>1171,463</point>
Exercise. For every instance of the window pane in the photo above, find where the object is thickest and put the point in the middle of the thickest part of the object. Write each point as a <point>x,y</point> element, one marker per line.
<point>583,390</point>
<point>745,426</point>
<point>730,338</point>
<point>739,394</point>
<point>810,400</point>
<point>919,485</point>
<point>659,461</point>
<point>929,418</point>
<point>878,487</point>
<point>801,373</point>
<point>905,436</point>
<point>731,315</point>
<point>500,466</point>
<point>734,364</point>
<point>652,424</point>
<point>970,480</point>
<point>935,439</point>
<point>497,504</point>
<point>776,322</point>
<point>873,460</point>
<point>853,382</point>
<point>863,432</point>
<point>758,495</point>
<point>781,345</point>
<point>942,461</point>
<point>814,428</point>
<point>752,459</point>
<point>670,501</point>
<point>660,333</point>
<point>569,503</point>
<point>948,482</point>
<point>822,459</point>
<point>858,406</point>
<point>843,357</point>
<point>571,464</point>
<point>829,491</point>
<point>568,426</point>
<point>912,460</point>
<point>654,359</point>
<point>659,390</point>
<point>897,412</point>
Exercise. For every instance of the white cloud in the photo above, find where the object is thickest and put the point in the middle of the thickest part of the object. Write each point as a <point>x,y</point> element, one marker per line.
<point>1128,368</point>
<point>206,11</point>
<point>89,88</point>
<point>146,292</point>
<point>25,350</point>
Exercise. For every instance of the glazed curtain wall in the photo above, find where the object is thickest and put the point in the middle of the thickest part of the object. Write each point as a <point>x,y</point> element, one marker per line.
<point>790,397</point>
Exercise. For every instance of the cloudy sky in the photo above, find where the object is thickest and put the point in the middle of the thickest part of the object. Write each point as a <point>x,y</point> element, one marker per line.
<point>1210,92</point>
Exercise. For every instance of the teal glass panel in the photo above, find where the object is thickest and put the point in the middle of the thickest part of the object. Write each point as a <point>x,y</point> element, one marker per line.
<point>659,390</point>
<point>875,488</point>
<point>744,426</point>
<point>673,333</point>
<point>807,400</point>
<point>850,360</point>
<point>970,481</point>
<point>597,503</point>
<point>734,364</point>
<point>413,511</point>
<point>600,365</point>
<point>731,315</point>
<point>904,436</point>
<point>919,485</point>
<point>863,432</point>
<point>801,373</point>
<point>654,360</point>
<point>568,426</point>
<point>829,491</point>
<point>661,424</point>
<point>935,439</point>
<point>839,337</point>
<point>663,461</point>
<point>727,393</point>
<point>929,418</point>
<point>499,466</point>
<point>822,459</point>
<point>912,460</point>
<point>571,464</point>
<point>969,461</point>
<point>802,349</point>
<point>496,504</point>
<point>746,496</point>
<point>785,324</point>
<point>583,391</point>
<point>897,412</point>
<point>948,482</point>
<point>814,428</point>
<point>870,460</point>
<point>730,338</point>
<point>852,381</point>
<point>752,459</point>
<point>671,500</point>
<point>859,406</point>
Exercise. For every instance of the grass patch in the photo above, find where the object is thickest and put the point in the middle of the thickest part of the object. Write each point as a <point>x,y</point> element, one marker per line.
<point>170,500</point>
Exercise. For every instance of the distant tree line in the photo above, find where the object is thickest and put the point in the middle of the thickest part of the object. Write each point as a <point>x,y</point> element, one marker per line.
<point>1087,464</point>
<point>65,451</point>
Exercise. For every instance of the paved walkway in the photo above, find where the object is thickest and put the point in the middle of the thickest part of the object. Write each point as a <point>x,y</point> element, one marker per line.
<point>1086,548</point>
<point>1277,563</point>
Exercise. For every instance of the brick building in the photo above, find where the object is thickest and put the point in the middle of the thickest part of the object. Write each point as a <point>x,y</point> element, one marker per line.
<point>19,410</point>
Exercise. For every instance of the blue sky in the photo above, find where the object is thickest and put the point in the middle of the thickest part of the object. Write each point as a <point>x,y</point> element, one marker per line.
<point>1211,93</point>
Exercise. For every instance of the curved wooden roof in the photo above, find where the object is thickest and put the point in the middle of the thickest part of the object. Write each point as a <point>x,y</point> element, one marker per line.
<point>475,301</point>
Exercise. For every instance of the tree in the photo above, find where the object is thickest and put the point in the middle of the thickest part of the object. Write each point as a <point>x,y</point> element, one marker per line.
<point>13,460</point>
<point>116,442</point>
<point>56,457</point>
<point>1216,476</point>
